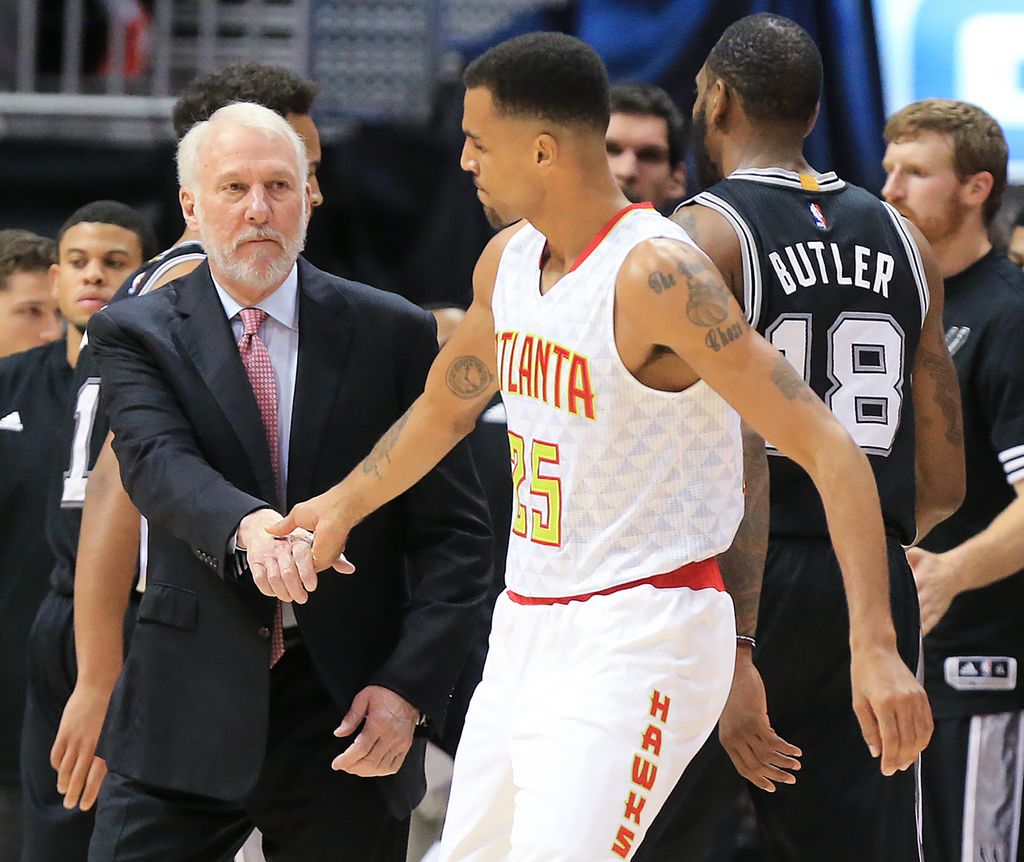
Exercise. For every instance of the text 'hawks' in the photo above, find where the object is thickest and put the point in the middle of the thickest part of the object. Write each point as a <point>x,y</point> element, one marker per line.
<point>534,367</point>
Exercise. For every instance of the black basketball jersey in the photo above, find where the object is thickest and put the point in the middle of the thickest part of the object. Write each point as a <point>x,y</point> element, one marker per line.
<point>82,432</point>
<point>975,654</point>
<point>833,279</point>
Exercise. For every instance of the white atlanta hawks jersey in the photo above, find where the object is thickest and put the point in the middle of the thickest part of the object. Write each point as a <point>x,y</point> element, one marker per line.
<point>613,481</point>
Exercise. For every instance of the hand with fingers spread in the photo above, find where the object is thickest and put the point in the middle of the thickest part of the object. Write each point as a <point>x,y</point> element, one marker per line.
<point>325,517</point>
<point>281,566</point>
<point>759,754</point>
<point>73,755</point>
<point>388,724</point>
<point>891,707</point>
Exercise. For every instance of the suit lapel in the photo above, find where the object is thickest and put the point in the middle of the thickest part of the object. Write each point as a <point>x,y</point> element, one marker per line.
<point>325,335</point>
<point>204,336</point>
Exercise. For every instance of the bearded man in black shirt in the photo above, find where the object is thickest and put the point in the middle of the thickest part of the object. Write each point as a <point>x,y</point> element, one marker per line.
<point>946,166</point>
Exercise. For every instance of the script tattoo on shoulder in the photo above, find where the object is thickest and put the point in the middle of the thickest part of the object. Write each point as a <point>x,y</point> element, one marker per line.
<point>381,453</point>
<point>468,377</point>
<point>946,395</point>
<point>790,383</point>
<point>660,281</point>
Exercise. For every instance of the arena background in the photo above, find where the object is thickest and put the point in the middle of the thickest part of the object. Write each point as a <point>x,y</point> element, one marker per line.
<point>86,86</point>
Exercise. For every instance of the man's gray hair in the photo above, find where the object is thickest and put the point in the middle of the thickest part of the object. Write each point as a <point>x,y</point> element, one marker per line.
<point>247,115</point>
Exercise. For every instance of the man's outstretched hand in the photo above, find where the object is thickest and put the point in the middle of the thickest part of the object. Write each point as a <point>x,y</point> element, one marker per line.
<point>282,565</point>
<point>891,707</point>
<point>324,518</point>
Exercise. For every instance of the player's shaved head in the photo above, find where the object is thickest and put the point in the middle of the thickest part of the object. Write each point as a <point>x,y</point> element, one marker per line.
<point>773,65</point>
<point>545,76</point>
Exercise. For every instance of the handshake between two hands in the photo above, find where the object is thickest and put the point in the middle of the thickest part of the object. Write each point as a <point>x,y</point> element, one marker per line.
<point>282,562</point>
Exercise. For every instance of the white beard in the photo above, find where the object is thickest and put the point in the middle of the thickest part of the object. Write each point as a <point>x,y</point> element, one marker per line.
<point>263,272</point>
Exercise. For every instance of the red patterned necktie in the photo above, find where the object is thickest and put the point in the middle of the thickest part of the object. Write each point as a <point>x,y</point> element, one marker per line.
<point>256,359</point>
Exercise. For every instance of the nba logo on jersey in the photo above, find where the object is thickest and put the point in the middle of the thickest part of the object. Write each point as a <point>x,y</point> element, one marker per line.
<point>818,216</point>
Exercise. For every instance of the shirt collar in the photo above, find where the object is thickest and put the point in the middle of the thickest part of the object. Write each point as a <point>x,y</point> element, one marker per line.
<point>282,304</point>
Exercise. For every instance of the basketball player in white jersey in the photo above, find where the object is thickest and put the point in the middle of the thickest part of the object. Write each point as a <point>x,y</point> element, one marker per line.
<point>622,359</point>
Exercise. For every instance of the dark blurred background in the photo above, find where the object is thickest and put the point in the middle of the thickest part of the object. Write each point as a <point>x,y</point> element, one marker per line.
<point>86,88</point>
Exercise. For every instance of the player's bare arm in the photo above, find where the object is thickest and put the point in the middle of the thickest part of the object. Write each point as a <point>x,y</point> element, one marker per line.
<point>940,474</point>
<point>759,754</point>
<point>108,549</point>
<point>461,381</point>
<point>670,297</point>
<point>993,554</point>
<point>718,240</point>
<point>742,565</point>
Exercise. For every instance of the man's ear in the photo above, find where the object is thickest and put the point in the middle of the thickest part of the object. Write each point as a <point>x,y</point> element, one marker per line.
<point>188,208</point>
<point>54,273</point>
<point>545,150</point>
<point>676,188</point>
<point>719,101</point>
<point>977,188</point>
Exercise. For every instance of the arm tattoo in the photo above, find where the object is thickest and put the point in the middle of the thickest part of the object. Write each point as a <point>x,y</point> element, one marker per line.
<point>684,218</point>
<point>381,452</point>
<point>947,393</point>
<point>708,300</point>
<point>790,383</point>
<point>468,377</point>
<point>660,281</point>
<point>743,564</point>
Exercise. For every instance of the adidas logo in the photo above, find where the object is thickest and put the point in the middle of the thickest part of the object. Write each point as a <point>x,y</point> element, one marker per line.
<point>11,422</point>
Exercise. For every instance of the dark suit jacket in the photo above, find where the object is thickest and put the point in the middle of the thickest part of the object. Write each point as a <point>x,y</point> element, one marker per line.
<point>189,712</point>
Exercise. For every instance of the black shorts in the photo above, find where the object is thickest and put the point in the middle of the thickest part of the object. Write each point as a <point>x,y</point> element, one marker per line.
<point>972,774</point>
<point>51,831</point>
<point>841,807</point>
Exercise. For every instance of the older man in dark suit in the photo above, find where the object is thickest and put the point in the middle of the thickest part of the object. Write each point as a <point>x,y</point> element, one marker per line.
<point>253,383</point>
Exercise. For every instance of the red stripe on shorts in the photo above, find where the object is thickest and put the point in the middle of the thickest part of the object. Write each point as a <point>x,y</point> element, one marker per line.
<point>702,575</point>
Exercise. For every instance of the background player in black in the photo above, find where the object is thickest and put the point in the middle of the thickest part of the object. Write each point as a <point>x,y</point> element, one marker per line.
<point>30,383</point>
<point>98,245</point>
<point>28,309</point>
<point>835,278</point>
<point>946,166</point>
<point>97,541</point>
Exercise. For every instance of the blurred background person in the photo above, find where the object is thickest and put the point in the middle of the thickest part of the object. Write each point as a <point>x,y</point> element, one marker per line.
<point>98,246</point>
<point>646,144</point>
<point>946,172</point>
<point>28,309</point>
<point>1015,250</point>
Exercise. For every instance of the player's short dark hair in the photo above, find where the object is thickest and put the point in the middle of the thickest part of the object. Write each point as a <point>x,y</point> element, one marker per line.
<point>115,213</point>
<point>24,251</point>
<point>978,141</point>
<point>774,66</point>
<point>548,76</point>
<point>1019,221</point>
<point>647,100</point>
<point>276,88</point>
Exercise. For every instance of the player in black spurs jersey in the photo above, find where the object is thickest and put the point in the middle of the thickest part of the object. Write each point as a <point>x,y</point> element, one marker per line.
<point>946,165</point>
<point>98,246</point>
<point>850,294</point>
